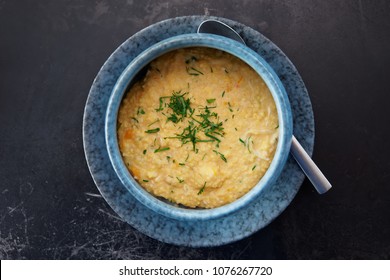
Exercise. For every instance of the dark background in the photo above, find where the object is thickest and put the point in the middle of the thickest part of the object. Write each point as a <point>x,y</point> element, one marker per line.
<point>50,52</point>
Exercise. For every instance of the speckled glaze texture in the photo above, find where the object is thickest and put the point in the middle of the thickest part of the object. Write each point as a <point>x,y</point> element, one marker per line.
<point>215,232</point>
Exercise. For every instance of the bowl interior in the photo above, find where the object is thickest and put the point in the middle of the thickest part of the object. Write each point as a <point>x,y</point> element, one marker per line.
<point>136,69</point>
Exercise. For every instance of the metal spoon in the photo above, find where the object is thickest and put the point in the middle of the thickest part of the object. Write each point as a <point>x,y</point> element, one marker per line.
<point>313,173</point>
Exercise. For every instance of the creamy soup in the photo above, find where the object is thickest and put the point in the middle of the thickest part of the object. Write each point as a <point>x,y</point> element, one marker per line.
<point>200,129</point>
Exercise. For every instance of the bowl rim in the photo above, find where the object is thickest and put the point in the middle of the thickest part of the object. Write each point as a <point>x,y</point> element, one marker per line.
<point>244,53</point>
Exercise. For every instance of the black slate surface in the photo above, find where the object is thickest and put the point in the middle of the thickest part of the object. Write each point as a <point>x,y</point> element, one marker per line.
<point>50,52</point>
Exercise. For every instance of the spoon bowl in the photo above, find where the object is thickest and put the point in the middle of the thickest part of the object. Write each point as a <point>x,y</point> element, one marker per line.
<point>217,27</point>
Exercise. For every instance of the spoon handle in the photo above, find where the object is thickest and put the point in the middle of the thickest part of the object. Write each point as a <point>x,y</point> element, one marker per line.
<point>313,173</point>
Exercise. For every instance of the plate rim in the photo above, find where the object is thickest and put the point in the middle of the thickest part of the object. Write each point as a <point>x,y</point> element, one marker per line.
<point>88,108</point>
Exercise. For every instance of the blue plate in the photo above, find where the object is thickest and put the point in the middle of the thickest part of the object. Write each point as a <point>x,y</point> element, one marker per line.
<point>204,233</point>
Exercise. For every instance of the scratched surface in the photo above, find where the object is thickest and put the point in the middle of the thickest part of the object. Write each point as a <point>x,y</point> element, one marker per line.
<point>50,52</point>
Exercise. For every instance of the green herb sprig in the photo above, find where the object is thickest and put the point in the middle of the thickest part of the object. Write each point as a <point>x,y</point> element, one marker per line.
<point>202,189</point>
<point>206,122</point>
<point>161,150</point>
<point>154,130</point>
<point>221,155</point>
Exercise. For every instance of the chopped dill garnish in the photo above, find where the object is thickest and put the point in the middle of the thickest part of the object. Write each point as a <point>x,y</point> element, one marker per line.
<point>230,107</point>
<point>161,100</point>
<point>203,156</point>
<point>191,59</point>
<point>221,155</point>
<point>193,71</point>
<point>211,69</point>
<point>210,128</point>
<point>154,130</point>
<point>179,106</point>
<point>180,180</point>
<point>226,71</point>
<point>202,189</point>
<point>196,70</point>
<point>188,135</point>
<point>168,158</point>
<point>173,118</point>
<point>182,164</point>
<point>144,152</point>
<point>242,141</point>
<point>223,93</point>
<point>145,181</point>
<point>153,122</point>
<point>140,111</point>
<point>134,119</point>
<point>248,142</point>
<point>205,123</point>
<point>161,149</point>
<point>277,127</point>
<point>236,128</point>
<point>188,155</point>
<point>253,168</point>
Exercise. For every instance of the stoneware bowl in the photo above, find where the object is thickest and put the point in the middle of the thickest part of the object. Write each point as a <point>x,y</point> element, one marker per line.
<point>236,49</point>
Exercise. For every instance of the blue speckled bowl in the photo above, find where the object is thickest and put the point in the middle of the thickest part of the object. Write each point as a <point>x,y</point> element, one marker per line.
<point>200,40</point>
